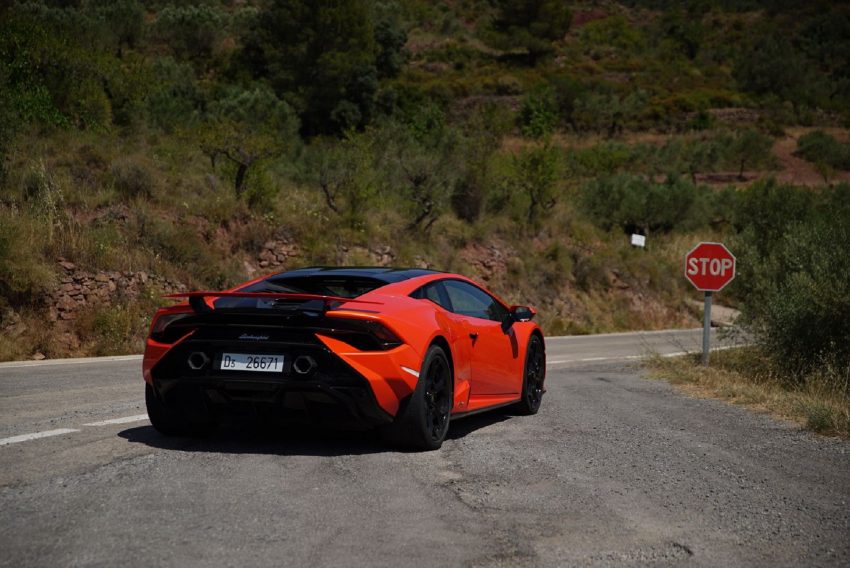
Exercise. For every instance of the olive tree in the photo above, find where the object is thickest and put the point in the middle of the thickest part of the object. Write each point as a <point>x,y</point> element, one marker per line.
<point>246,127</point>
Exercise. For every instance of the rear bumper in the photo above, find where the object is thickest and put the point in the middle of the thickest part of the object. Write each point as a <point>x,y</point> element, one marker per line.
<point>332,393</point>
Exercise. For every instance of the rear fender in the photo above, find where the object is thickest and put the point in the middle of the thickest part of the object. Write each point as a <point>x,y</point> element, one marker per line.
<point>394,374</point>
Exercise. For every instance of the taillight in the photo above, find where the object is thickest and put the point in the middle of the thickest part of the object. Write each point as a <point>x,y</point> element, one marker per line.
<point>365,335</point>
<point>383,333</point>
<point>162,330</point>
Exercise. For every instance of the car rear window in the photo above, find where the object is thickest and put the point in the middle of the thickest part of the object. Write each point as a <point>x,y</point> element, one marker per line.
<point>342,286</point>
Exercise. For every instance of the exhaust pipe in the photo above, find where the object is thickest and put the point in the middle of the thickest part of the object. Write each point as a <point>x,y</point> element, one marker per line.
<point>198,360</point>
<point>304,365</point>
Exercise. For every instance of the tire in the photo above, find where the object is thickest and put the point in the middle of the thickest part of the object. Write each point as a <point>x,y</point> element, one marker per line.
<point>534,375</point>
<point>184,415</point>
<point>423,418</point>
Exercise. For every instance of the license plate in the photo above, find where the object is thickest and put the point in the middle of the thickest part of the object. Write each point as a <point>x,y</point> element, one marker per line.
<point>249,362</point>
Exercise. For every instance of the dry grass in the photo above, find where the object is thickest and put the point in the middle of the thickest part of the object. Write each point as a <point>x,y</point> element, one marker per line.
<point>744,376</point>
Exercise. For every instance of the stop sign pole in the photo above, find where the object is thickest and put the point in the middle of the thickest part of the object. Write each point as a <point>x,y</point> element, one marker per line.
<point>709,267</point>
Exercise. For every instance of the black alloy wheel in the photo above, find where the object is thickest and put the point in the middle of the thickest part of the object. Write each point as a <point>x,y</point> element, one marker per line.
<point>437,398</point>
<point>535,375</point>
<point>423,418</point>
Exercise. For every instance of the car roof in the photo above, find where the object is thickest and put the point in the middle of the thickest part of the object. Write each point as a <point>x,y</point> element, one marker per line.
<point>383,273</point>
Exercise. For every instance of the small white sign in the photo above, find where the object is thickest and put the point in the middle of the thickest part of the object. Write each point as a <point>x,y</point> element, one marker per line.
<point>639,241</point>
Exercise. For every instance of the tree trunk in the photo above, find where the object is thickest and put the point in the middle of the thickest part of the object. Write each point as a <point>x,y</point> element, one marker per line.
<point>239,182</point>
<point>329,198</point>
<point>427,208</point>
<point>531,209</point>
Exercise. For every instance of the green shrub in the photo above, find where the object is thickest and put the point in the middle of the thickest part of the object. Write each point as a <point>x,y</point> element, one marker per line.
<point>323,56</point>
<point>116,329</point>
<point>750,148</point>
<point>820,148</point>
<point>532,181</point>
<point>567,91</point>
<point>531,25</point>
<point>245,128</point>
<point>132,178</point>
<point>794,281</point>
<point>50,76</point>
<point>175,96</point>
<point>122,21</point>
<point>802,310</point>
<point>538,115</point>
<point>766,209</point>
<point>606,158</point>
<point>636,204</point>
<point>191,31</point>
<point>609,113</point>
<point>612,33</point>
<point>24,272</point>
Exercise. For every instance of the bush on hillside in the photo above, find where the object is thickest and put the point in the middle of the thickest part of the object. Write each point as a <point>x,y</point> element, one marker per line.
<point>750,148</point>
<point>245,127</point>
<point>175,98</point>
<point>636,204</point>
<point>538,115</point>
<point>132,178</point>
<point>800,308</point>
<point>608,113</point>
<point>770,65</point>
<point>324,57</point>
<point>24,272</point>
<point>531,25</point>
<point>793,279</point>
<point>532,181</point>
<point>191,31</point>
<point>819,147</point>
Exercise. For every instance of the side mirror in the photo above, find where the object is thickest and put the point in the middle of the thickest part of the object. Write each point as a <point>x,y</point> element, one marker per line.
<point>522,313</point>
<point>518,313</point>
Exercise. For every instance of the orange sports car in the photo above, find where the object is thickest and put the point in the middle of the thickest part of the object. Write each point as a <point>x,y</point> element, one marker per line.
<point>404,350</point>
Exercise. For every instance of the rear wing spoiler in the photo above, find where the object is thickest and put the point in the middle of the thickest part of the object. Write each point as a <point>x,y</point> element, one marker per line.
<point>199,305</point>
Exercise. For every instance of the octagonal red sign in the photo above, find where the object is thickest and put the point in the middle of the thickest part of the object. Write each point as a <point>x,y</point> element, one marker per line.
<point>710,266</point>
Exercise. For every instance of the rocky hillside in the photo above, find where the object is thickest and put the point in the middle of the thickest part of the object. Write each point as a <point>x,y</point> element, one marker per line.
<point>148,147</point>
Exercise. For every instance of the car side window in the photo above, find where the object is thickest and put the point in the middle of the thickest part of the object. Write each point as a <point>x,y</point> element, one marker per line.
<point>468,300</point>
<point>434,293</point>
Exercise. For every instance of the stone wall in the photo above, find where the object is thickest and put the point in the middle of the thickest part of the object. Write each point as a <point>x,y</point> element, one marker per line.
<point>79,290</point>
<point>276,253</point>
<point>280,254</point>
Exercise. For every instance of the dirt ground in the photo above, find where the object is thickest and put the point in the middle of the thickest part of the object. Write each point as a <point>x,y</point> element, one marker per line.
<point>795,170</point>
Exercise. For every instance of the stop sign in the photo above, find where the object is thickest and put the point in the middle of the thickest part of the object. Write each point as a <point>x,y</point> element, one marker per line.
<point>710,266</point>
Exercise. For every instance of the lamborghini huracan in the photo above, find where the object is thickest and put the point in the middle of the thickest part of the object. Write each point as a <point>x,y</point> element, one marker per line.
<point>402,350</point>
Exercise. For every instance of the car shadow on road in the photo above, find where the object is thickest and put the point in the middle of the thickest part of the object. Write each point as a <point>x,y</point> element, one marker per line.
<point>466,426</point>
<point>292,441</point>
<point>255,440</point>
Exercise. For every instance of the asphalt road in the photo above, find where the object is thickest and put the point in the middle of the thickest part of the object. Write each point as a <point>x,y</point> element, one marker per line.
<point>615,470</point>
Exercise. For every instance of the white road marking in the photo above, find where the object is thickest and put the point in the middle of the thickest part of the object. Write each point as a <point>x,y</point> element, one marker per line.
<point>591,359</point>
<point>625,333</point>
<point>79,361</point>
<point>36,436</point>
<point>124,420</point>
<point>631,357</point>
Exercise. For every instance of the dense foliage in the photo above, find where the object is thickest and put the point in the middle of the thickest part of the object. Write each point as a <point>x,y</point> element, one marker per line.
<point>794,281</point>
<point>519,140</point>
